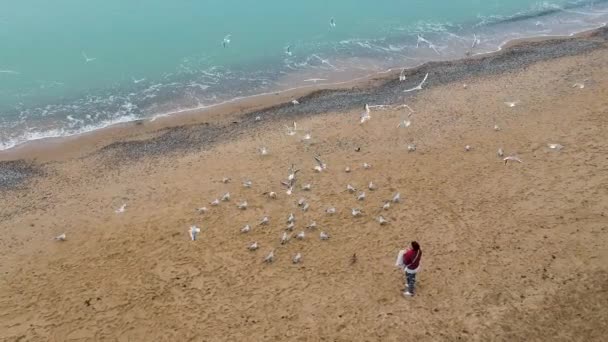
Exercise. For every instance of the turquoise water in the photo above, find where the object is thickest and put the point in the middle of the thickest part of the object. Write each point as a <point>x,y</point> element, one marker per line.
<point>71,66</point>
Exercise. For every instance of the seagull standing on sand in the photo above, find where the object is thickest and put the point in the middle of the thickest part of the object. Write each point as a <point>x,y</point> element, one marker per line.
<point>411,147</point>
<point>512,158</point>
<point>512,104</point>
<point>356,212</point>
<point>365,116</point>
<point>202,210</point>
<point>297,258</point>
<point>404,124</point>
<point>301,235</point>
<point>226,197</point>
<point>371,186</point>
<point>500,153</point>
<point>312,225</point>
<point>367,166</point>
<point>396,198</point>
<point>330,210</point>
<point>324,236</point>
<point>285,238</point>
<point>60,237</point>
<point>246,229</point>
<point>193,231</point>
<point>382,220</point>
<point>242,205</point>
<point>361,196</point>
<point>121,209</point>
<point>215,202</point>
<point>418,87</point>
<point>290,226</point>
<point>292,130</point>
<point>270,257</point>
<point>555,147</point>
<point>386,205</point>
<point>306,187</point>
<point>247,184</point>
<point>265,221</point>
<point>254,246</point>
<point>291,218</point>
<point>263,151</point>
<point>350,188</point>
<point>295,102</point>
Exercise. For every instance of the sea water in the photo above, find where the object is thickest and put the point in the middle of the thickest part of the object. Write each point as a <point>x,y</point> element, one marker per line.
<point>72,66</point>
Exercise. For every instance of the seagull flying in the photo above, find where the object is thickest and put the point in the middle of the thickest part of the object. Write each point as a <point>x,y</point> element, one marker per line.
<point>288,50</point>
<point>332,22</point>
<point>418,87</point>
<point>226,41</point>
<point>86,58</point>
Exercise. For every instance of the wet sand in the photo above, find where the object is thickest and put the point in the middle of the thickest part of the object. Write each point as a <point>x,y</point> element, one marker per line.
<point>511,252</point>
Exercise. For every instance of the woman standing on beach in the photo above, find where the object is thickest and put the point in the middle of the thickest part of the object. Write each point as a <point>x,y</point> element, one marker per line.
<point>411,264</point>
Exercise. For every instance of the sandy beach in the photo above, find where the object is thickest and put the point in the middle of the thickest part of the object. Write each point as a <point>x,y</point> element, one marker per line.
<point>512,252</point>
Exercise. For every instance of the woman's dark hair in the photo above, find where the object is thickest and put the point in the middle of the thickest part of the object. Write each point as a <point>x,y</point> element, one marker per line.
<point>415,245</point>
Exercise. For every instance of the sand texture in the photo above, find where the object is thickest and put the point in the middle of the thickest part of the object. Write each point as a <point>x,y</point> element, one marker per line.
<point>514,252</point>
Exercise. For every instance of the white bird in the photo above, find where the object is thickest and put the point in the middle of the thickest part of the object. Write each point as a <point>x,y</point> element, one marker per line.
<point>202,210</point>
<point>496,128</point>
<point>320,163</point>
<point>307,137</point>
<point>290,226</point>
<point>226,180</point>
<point>253,246</point>
<point>366,115</point>
<point>330,210</point>
<point>476,41</point>
<point>215,202</point>
<point>269,257</point>
<point>411,147</point>
<point>367,166</point>
<point>271,194</point>
<point>86,58</point>
<point>247,184</point>
<point>193,231</point>
<point>301,235</point>
<point>121,209</point>
<point>60,237</point>
<point>404,124</point>
<point>246,229</point>
<point>306,187</point>
<point>386,205</point>
<point>265,221</point>
<point>226,41</point>
<point>292,130</point>
<point>288,50</point>
<point>350,188</point>
<point>332,22</point>
<point>263,151</point>
<point>396,198</point>
<point>418,87</point>
<point>242,205</point>
<point>305,207</point>
<point>295,102</point>
<point>467,148</point>
<point>285,238</point>
<point>356,212</point>
<point>431,45</point>
<point>556,147</point>
<point>297,258</point>
<point>402,76</point>
<point>512,103</point>
<point>226,197</point>
<point>291,218</point>
<point>371,186</point>
<point>258,118</point>
<point>317,168</point>
<point>324,236</point>
<point>512,158</point>
<point>289,190</point>
<point>578,85</point>
<point>361,196</point>
<point>312,225</point>
<point>347,169</point>
<point>500,153</point>
<point>382,220</point>
<point>465,86</point>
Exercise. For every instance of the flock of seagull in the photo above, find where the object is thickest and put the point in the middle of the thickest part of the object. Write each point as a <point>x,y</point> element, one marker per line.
<point>321,167</point>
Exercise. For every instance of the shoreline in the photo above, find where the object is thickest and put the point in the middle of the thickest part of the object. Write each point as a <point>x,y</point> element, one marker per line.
<point>74,145</point>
